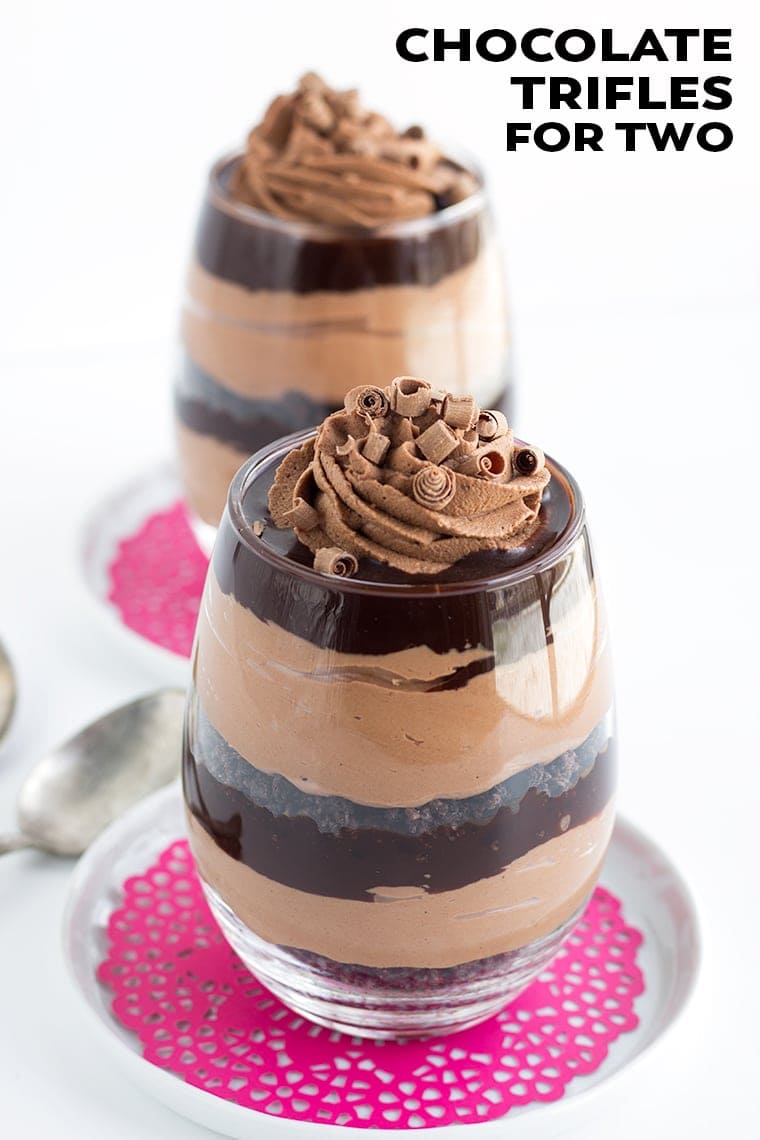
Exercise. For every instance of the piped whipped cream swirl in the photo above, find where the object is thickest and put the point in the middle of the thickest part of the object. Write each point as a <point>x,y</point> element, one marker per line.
<point>319,156</point>
<point>410,476</point>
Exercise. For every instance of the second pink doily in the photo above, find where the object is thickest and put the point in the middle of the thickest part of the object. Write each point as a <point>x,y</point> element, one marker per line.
<point>156,580</point>
<point>198,1013</point>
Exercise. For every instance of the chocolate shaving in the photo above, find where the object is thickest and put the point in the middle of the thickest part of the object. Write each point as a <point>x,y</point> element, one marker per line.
<point>368,401</point>
<point>409,396</point>
<point>528,461</point>
<point>376,447</point>
<point>460,411</point>
<point>492,424</point>
<point>333,560</point>
<point>486,462</point>
<point>301,515</point>
<point>434,487</point>
<point>437,442</point>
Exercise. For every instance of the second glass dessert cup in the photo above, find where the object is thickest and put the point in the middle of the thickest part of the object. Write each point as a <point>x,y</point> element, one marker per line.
<point>399,794</point>
<point>278,312</point>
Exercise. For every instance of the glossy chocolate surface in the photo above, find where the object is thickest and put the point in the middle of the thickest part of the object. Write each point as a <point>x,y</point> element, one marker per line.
<point>319,610</point>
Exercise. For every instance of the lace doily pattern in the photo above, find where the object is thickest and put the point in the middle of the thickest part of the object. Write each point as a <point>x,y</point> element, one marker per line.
<point>200,1014</point>
<point>156,580</point>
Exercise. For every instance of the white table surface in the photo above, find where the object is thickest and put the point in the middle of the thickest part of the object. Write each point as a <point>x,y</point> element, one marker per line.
<point>635,299</point>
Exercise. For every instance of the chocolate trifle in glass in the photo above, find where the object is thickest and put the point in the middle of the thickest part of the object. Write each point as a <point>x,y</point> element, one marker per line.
<point>331,244</point>
<point>398,762</point>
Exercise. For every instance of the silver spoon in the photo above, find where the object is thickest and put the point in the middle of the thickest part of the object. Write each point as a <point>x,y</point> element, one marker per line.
<point>7,691</point>
<point>75,791</point>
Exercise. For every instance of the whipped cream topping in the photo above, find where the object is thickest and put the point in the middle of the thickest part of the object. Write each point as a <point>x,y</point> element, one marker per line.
<point>410,476</point>
<point>319,156</point>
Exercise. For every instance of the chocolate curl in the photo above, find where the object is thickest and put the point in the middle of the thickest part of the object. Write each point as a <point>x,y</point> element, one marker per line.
<point>486,462</point>
<point>460,411</point>
<point>434,487</point>
<point>492,424</point>
<point>333,560</point>
<point>305,144</point>
<point>360,464</point>
<point>346,104</point>
<point>301,515</point>
<point>376,447</point>
<point>312,81</point>
<point>409,396</point>
<point>437,442</point>
<point>528,460</point>
<point>315,112</point>
<point>345,448</point>
<point>464,448</point>
<point>367,401</point>
<point>417,153</point>
<point>278,119</point>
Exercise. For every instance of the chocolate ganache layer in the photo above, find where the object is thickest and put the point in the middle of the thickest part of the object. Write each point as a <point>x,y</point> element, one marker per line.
<point>329,846</point>
<point>246,247</point>
<point>381,621</point>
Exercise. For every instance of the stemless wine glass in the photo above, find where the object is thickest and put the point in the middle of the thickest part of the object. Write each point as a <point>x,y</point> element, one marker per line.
<point>399,791</point>
<point>278,313</point>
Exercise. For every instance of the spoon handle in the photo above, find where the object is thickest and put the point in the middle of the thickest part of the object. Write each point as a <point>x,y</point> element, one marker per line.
<point>15,843</point>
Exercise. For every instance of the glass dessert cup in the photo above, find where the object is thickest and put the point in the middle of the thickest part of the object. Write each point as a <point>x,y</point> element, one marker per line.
<point>277,312</point>
<point>399,792</point>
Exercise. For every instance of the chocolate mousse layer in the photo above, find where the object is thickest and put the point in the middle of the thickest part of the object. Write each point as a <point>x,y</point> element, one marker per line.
<point>408,726</point>
<point>530,900</point>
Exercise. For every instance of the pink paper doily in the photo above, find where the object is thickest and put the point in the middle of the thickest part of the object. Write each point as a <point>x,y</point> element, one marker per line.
<point>199,1013</point>
<point>156,580</point>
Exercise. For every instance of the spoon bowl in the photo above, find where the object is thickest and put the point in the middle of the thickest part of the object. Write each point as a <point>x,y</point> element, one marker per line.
<point>84,784</point>
<point>7,691</point>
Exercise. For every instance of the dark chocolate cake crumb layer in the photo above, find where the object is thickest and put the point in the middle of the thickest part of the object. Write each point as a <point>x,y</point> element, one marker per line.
<point>248,425</point>
<point>391,980</point>
<point>354,862</point>
<point>335,814</point>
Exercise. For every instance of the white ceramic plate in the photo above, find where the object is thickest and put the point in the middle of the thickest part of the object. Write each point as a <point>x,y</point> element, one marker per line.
<point>655,900</point>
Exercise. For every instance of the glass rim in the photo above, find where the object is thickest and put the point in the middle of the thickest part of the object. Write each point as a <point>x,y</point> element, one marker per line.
<point>323,231</point>
<point>511,577</point>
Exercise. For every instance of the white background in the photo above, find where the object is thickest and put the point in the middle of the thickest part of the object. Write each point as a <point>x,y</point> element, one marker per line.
<point>634,280</point>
